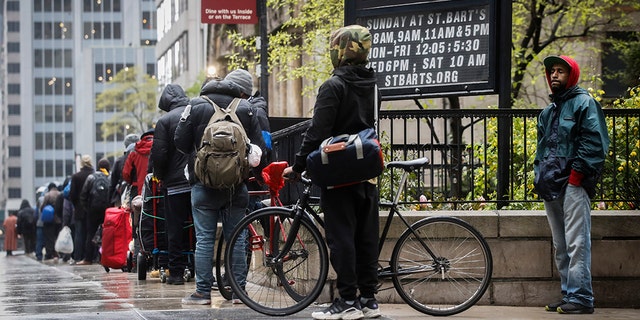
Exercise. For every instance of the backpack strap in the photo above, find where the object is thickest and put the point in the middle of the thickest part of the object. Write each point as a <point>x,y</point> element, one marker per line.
<point>230,111</point>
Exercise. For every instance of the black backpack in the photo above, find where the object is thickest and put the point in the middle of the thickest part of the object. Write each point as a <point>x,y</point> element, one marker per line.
<point>99,194</point>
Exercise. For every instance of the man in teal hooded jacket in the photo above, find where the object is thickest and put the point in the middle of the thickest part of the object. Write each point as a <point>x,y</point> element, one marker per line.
<point>572,146</point>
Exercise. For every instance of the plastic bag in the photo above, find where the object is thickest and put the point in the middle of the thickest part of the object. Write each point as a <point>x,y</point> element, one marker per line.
<point>255,154</point>
<point>64,242</point>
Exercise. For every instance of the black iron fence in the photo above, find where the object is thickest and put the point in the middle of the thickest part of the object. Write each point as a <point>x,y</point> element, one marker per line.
<point>463,146</point>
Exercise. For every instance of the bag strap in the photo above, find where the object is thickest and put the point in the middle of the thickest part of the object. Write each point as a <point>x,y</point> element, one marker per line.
<point>230,111</point>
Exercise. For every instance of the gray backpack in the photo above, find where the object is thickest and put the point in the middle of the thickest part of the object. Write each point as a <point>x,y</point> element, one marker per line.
<point>221,160</point>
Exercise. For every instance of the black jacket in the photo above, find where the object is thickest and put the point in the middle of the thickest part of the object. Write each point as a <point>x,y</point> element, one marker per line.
<point>194,119</point>
<point>343,105</point>
<point>77,182</point>
<point>168,164</point>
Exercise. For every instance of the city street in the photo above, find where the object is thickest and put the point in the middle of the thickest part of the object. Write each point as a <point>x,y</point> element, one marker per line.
<point>33,290</point>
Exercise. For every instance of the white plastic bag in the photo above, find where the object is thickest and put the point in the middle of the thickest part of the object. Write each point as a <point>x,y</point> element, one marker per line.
<point>64,243</point>
<point>255,154</point>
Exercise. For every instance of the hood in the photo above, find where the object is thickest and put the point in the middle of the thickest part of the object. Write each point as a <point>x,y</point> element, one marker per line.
<point>172,97</point>
<point>360,79</point>
<point>143,146</point>
<point>221,86</point>
<point>350,45</point>
<point>574,69</point>
<point>24,204</point>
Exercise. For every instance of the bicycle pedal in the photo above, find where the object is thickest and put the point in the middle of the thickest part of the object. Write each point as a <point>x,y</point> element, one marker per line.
<point>290,282</point>
<point>256,243</point>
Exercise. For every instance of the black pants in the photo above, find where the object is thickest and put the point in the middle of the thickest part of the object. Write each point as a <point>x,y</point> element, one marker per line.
<point>50,231</point>
<point>180,235</point>
<point>94,219</point>
<point>29,238</point>
<point>352,232</point>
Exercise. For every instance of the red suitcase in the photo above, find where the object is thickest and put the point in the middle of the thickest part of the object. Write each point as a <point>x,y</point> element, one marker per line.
<point>116,235</point>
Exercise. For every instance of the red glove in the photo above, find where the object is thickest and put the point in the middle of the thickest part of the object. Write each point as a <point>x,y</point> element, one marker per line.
<point>575,178</point>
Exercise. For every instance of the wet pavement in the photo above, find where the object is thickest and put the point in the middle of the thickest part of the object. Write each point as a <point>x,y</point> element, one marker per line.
<point>49,290</point>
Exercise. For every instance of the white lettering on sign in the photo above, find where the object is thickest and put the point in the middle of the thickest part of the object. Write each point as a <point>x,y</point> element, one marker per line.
<point>442,47</point>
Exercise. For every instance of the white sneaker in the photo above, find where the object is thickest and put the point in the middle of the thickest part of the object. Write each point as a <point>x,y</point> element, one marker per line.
<point>339,309</point>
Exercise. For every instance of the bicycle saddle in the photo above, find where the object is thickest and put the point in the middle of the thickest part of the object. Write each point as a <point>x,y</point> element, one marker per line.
<point>409,165</point>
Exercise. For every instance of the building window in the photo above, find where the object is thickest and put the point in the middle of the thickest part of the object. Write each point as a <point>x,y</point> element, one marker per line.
<point>14,172</point>
<point>13,26</point>
<point>151,70</point>
<point>13,6</point>
<point>13,47</point>
<point>13,68</point>
<point>15,193</point>
<point>14,130</point>
<point>101,6</point>
<point>53,86</point>
<point>13,88</point>
<point>14,151</point>
<point>52,5</point>
<point>14,109</point>
<point>148,20</point>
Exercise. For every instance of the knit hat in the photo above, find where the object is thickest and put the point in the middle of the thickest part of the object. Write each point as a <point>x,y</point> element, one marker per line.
<point>131,138</point>
<point>243,79</point>
<point>574,68</point>
<point>350,45</point>
<point>104,164</point>
<point>86,161</point>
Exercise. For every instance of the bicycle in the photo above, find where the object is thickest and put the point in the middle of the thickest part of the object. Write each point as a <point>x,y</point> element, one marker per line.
<point>274,186</point>
<point>439,265</point>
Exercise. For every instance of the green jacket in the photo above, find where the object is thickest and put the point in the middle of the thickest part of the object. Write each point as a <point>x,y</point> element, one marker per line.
<point>577,140</point>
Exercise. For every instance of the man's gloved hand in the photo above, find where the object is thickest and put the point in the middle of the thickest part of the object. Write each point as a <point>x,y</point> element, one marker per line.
<point>575,178</point>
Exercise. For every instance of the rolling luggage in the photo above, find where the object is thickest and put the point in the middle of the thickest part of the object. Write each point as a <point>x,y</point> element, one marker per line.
<point>116,236</point>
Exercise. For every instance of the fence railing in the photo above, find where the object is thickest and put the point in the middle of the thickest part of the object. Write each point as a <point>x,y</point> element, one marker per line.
<point>463,148</point>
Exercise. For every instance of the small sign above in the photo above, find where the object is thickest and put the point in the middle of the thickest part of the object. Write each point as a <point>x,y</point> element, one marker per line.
<point>229,12</point>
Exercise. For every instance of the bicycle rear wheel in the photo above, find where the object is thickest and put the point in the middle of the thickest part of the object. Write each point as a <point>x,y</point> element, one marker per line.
<point>452,282</point>
<point>277,288</point>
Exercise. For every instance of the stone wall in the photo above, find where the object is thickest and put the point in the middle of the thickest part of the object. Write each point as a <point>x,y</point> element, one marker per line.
<point>524,273</point>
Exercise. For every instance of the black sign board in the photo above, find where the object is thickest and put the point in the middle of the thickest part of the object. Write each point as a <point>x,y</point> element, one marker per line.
<point>430,48</point>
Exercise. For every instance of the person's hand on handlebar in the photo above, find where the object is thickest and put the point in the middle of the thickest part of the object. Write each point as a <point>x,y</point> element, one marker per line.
<point>290,175</point>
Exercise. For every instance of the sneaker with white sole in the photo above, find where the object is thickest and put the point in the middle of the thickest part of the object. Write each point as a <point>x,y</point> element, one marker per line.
<point>369,307</point>
<point>340,309</point>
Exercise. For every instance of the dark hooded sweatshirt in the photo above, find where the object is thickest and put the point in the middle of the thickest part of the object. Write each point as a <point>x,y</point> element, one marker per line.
<point>168,163</point>
<point>337,112</point>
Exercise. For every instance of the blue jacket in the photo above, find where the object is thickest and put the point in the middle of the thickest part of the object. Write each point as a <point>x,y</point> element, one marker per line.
<point>577,140</point>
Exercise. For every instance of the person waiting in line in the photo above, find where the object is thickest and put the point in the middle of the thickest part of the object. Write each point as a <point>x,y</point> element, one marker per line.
<point>79,214</point>
<point>27,226</point>
<point>50,229</point>
<point>10,225</point>
<point>94,197</point>
<point>169,166</point>
<point>117,185</point>
<point>137,163</point>
<point>209,205</point>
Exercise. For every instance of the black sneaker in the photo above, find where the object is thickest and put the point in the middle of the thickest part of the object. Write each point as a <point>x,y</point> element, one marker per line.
<point>339,309</point>
<point>369,307</point>
<point>574,308</point>
<point>553,307</point>
<point>175,280</point>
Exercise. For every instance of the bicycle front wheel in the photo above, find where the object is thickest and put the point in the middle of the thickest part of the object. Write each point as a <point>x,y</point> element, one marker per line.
<point>276,288</point>
<point>441,268</point>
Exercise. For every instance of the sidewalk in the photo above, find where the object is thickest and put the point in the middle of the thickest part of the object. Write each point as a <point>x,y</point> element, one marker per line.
<point>48,290</point>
